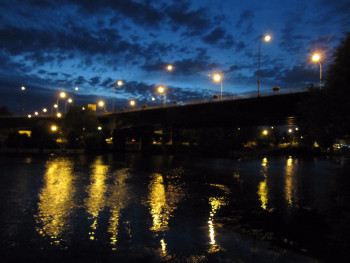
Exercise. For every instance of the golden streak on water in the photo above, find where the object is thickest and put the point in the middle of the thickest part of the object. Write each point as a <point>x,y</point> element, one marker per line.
<point>95,203</point>
<point>163,245</point>
<point>163,201</point>
<point>119,199</point>
<point>289,181</point>
<point>263,188</point>
<point>55,199</point>
<point>215,204</point>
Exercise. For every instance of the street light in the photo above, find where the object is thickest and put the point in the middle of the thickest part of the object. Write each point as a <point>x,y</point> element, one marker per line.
<point>44,110</point>
<point>168,68</point>
<point>266,38</point>
<point>102,104</point>
<point>161,90</point>
<point>62,95</point>
<point>132,103</point>
<point>218,78</point>
<point>317,58</point>
<point>119,83</point>
<point>23,89</point>
<point>65,105</point>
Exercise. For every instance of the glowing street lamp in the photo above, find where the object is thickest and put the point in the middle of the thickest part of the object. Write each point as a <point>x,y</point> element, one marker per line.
<point>161,90</point>
<point>62,95</point>
<point>65,105</point>
<point>23,89</point>
<point>132,103</point>
<point>119,83</point>
<point>266,38</point>
<point>102,104</point>
<point>59,115</point>
<point>317,59</point>
<point>53,128</point>
<point>218,78</point>
<point>168,68</point>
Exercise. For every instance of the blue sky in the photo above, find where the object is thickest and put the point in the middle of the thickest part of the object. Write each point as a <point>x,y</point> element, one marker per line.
<point>49,46</point>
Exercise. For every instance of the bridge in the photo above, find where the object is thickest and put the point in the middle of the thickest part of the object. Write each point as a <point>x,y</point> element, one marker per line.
<point>141,123</point>
<point>269,110</point>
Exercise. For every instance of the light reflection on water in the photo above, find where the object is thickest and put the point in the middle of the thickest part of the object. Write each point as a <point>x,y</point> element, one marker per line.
<point>263,190</point>
<point>55,199</point>
<point>291,182</point>
<point>119,203</point>
<point>215,204</point>
<point>96,201</point>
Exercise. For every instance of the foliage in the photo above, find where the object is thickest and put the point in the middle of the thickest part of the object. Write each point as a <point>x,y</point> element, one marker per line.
<point>327,111</point>
<point>4,111</point>
<point>78,125</point>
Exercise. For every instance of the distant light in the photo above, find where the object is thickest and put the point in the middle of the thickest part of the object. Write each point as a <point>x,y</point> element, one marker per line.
<point>36,113</point>
<point>101,103</point>
<point>170,67</point>
<point>23,88</point>
<point>99,128</point>
<point>153,98</point>
<point>53,128</point>
<point>133,140</point>
<point>267,38</point>
<point>290,130</point>
<point>83,108</point>
<point>44,110</point>
<point>55,105</point>
<point>119,83</point>
<point>316,57</point>
<point>132,103</point>
<point>62,94</point>
<point>265,132</point>
<point>70,100</point>
<point>29,116</point>
<point>161,89</point>
<point>59,115</point>
<point>76,88</point>
<point>217,77</point>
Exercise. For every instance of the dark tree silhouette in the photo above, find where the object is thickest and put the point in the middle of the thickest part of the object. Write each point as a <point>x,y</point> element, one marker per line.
<point>327,111</point>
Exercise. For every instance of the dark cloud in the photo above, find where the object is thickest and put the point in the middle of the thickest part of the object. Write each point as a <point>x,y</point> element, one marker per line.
<point>141,13</point>
<point>219,37</point>
<point>300,74</point>
<point>195,22</point>
<point>200,62</point>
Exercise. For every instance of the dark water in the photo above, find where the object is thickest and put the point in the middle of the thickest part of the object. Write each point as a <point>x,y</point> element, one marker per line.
<point>130,208</point>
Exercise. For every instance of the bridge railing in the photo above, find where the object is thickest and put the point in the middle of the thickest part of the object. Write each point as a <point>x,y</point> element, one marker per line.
<point>243,95</point>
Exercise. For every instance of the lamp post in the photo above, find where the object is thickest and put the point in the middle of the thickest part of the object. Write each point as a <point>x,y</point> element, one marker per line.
<point>118,83</point>
<point>317,58</point>
<point>43,111</point>
<point>23,92</point>
<point>161,90</point>
<point>102,104</point>
<point>218,78</point>
<point>76,89</point>
<point>62,96</point>
<point>65,105</point>
<point>266,38</point>
<point>168,68</point>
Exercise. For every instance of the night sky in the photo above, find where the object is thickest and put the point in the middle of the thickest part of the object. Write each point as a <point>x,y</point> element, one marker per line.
<point>49,46</point>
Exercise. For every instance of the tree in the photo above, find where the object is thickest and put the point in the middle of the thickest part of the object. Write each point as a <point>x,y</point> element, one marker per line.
<point>4,111</point>
<point>327,111</point>
<point>79,125</point>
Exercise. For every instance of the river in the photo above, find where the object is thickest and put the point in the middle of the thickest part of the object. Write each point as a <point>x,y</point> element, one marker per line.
<point>134,208</point>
